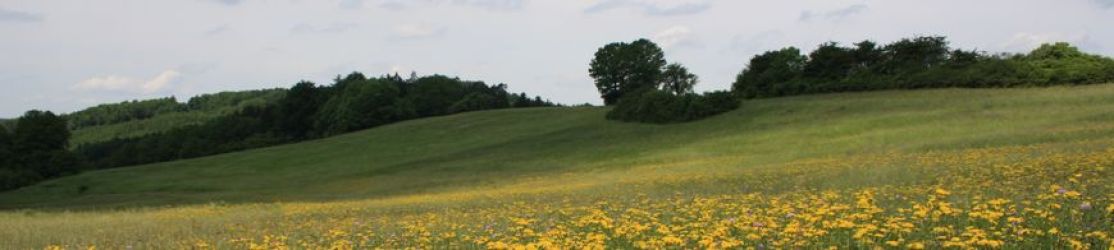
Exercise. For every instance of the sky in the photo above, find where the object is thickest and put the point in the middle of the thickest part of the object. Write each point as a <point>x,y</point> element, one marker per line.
<point>64,56</point>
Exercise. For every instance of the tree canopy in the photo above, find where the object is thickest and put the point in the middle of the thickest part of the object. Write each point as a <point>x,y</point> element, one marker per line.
<point>621,68</point>
<point>635,78</point>
<point>41,131</point>
<point>36,150</point>
<point>768,73</point>
<point>677,80</point>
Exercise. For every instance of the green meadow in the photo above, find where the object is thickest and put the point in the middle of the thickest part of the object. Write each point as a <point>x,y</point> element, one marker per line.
<point>487,161</point>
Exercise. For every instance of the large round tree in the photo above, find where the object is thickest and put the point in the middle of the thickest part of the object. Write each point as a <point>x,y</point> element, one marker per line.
<point>621,68</point>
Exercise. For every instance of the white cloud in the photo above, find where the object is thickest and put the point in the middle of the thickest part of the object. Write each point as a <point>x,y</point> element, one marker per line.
<point>412,31</point>
<point>1025,41</point>
<point>1105,3</point>
<point>405,4</point>
<point>833,15</point>
<point>128,84</point>
<point>675,36</point>
<point>653,7</point>
<point>332,28</point>
<point>228,2</point>
<point>216,30</point>
<point>754,43</point>
<point>19,16</point>
<point>399,69</point>
<point>160,81</point>
<point>111,82</point>
<point>351,4</point>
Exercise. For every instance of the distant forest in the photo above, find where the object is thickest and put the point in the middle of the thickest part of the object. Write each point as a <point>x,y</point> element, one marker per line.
<point>634,78</point>
<point>224,102</point>
<point>921,62</point>
<point>37,146</point>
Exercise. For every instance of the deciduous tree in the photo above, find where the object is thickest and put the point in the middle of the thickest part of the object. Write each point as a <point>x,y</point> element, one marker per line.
<point>621,68</point>
<point>677,80</point>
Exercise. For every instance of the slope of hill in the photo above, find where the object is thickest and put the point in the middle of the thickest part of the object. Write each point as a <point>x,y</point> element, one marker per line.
<point>484,147</point>
<point>468,167</point>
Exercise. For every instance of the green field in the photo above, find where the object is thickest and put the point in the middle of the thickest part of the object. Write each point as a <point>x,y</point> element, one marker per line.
<point>469,168</point>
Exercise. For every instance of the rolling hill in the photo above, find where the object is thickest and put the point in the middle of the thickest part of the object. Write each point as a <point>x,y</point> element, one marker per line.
<point>574,156</point>
<point>499,147</point>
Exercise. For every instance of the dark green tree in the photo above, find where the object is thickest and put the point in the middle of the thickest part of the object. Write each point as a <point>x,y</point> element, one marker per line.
<point>6,154</point>
<point>621,68</point>
<point>40,146</point>
<point>9,177</point>
<point>766,71</point>
<point>433,95</point>
<point>916,54</point>
<point>829,62</point>
<point>361,105</point>
<point>677,80</point>
<point>298,108</point>
<point>962,58</point>
<point>867,54</point>
<point>41,131</point>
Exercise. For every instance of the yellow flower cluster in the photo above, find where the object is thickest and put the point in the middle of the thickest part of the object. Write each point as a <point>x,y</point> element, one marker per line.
<point>976,199</point>
<point>1019,197</point>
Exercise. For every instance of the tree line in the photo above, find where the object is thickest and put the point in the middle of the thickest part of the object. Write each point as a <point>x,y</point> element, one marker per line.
<point>38,148</point>
<point>913,63</point>
<point>308,111</point>
<point>635,79</point>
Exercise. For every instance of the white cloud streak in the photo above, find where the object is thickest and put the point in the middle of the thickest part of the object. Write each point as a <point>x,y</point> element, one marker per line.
<point>408,4</point>
<point>332,28</point>
<point>19,16</point>
<point>833,15</point>
<point>160,82</point>
<point>675,36</point>
<point>653,7</point>
<point>416,31</point>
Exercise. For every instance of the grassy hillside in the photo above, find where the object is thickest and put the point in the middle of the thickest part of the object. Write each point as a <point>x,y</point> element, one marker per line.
<point>446,181</point>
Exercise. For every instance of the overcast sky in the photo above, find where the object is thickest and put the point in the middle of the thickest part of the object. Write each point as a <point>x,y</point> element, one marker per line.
<point>67,55</point>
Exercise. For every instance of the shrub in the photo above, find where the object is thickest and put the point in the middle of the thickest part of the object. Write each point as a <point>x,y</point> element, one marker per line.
<point>655,106</point>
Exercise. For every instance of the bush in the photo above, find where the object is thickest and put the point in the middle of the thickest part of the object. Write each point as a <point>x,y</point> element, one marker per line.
<point>711,103</point>
<point>655,106</point>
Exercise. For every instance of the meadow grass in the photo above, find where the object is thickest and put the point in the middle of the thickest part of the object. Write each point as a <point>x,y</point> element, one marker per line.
<point>948,168</point>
